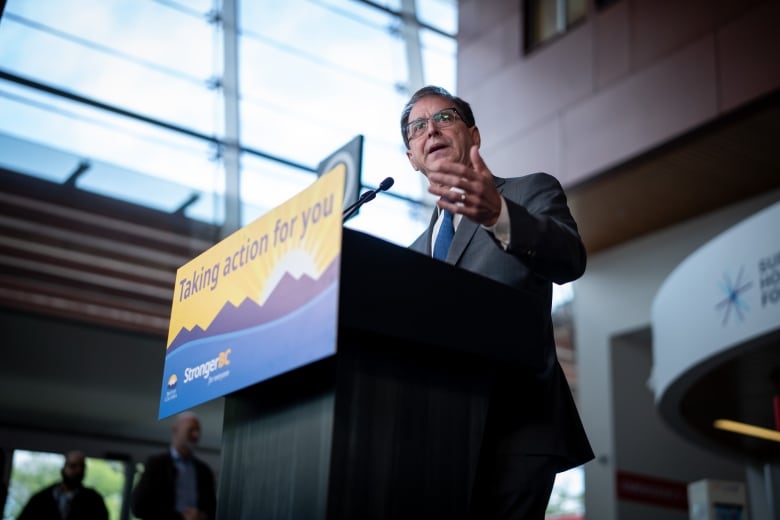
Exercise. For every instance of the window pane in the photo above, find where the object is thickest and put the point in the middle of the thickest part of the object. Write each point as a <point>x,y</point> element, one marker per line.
<point>48,137</point>
<point>381,160</point>
<point>439,59</point>
<point>407,223</point>
<point>441,14</point>
<point>567,496</point>
<point>542,16</point>
<point>122,52</point>
<point>313,74</point>
<point>395,5</point>
<point>547,18</point>
<point>200,6</point>
<point>334,78</point>
<point>338,34</point>
<point>266,184</point>
<point>576,11</point>
<point>32,471</point>
<point>107,477</point>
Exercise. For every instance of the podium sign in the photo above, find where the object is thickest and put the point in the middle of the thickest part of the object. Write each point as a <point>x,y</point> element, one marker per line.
<point>259,303</point>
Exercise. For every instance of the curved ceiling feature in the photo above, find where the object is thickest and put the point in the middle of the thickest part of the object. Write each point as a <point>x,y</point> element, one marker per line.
<point>716,338</point>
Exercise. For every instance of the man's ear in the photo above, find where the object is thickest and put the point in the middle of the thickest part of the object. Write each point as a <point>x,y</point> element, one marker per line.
<point>412,160</point>
<point>475,135</point>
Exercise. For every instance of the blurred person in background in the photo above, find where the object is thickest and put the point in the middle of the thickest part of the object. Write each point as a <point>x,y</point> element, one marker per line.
<point>176,484</point>
<point>68,499</point>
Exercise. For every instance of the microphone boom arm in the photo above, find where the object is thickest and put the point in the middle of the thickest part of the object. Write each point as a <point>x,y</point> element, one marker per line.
<point>370,195</point>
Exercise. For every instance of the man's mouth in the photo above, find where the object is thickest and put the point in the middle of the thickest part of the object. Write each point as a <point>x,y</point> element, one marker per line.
<point>436,148</point>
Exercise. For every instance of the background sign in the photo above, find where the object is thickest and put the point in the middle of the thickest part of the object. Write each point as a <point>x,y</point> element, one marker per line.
<point>350,157</point>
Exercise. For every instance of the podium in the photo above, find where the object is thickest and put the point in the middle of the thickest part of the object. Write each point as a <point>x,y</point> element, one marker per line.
<point>391,425</point>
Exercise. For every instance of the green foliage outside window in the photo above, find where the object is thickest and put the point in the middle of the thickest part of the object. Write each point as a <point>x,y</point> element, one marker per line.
<point>567,496</point>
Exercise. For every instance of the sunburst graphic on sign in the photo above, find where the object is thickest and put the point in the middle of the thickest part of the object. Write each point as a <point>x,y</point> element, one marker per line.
<point>734,301</point>
<point>296,263</point>
<point>300,238</point>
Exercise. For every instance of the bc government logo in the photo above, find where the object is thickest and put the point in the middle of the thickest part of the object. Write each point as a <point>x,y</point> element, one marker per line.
<point>170,387</point>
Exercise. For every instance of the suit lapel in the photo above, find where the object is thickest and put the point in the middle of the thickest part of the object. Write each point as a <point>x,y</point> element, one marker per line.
<point>429,233</point>
<point>462,238</point>
<point>465,232</point>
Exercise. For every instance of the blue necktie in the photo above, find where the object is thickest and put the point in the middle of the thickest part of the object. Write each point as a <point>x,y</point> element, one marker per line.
<point>444,238</point>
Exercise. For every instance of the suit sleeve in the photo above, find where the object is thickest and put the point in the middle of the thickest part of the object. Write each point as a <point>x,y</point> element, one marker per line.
<point>207,500</point>
<point>544,235</point>
<point>35,507</point>
<point>153,495</point>
<point>97,505</point>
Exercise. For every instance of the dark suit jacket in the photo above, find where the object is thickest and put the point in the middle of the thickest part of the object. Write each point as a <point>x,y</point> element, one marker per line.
<point>154,497</point>
<point>532,410</point>
<point>87,504</point>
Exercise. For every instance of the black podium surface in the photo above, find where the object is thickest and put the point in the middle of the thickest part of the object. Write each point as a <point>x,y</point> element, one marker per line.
<point>391,425</point>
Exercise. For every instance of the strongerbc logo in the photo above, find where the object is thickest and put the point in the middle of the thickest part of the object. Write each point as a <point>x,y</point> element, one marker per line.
<point>204,370</point>
<point>733,301</point>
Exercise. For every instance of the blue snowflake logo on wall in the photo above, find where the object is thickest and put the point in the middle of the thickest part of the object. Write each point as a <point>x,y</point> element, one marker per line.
<point>733,300</point>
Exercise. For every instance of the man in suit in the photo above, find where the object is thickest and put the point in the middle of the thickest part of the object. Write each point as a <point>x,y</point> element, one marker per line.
<point>68,499</point>
<point>176,484</point>
<point>520,232</point>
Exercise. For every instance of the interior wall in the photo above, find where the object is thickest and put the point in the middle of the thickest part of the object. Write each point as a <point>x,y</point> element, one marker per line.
<point>630,77</point>
<point>67,385</point>
<point>615,297</point>
<point>644,444</point>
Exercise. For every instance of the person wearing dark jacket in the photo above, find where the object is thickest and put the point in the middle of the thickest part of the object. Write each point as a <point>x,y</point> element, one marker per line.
<point>176,485</point>
<point>68,499</point>
<point>517,231</point>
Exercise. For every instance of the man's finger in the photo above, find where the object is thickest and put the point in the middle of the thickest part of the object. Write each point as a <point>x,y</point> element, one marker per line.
<point>477,163</point>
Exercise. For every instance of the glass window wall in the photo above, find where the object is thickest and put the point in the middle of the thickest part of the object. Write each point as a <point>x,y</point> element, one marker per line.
<point>127,95</point>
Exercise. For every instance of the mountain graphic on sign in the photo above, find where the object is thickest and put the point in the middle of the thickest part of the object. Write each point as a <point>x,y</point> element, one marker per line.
<point>289,294</point>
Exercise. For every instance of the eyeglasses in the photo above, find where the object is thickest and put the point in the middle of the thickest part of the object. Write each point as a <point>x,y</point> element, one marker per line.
<point>442,118</point>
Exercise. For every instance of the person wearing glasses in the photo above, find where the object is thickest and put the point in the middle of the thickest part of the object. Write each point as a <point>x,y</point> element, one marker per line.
<point>518,231</point>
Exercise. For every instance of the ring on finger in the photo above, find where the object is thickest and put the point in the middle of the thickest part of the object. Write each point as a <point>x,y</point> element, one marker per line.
<point>462,197</point>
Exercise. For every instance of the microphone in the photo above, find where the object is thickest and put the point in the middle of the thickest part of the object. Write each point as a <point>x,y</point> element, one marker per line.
<point>367,196</point>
